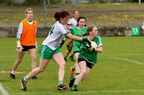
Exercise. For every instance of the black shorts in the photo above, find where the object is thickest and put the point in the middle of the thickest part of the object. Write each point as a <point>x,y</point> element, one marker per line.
<point>89,65</point>
<point>25,48</point>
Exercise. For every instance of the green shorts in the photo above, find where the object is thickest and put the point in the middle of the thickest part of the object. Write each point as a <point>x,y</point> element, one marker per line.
<point>46,53</point>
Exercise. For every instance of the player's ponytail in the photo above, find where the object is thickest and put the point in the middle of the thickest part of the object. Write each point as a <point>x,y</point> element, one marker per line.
<point>57,16</point>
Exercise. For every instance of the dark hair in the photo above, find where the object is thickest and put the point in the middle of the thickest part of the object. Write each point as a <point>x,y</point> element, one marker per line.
<point>80,19</point>
<point>61,14</point>
<point>90,28</point>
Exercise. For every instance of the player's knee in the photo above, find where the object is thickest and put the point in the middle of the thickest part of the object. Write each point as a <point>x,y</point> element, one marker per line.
<point>41,69</point>
<point>62,65</point>
<point>83,72</point>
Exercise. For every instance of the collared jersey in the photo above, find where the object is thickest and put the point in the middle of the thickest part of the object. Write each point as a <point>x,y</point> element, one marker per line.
<point>91,57</point>
<point>27,32</point>
<point>55,36</point>
<point>77,32</point>
<point>72,23</point>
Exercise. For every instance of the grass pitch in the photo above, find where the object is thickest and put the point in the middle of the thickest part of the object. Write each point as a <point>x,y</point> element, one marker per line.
<point>119,70</point>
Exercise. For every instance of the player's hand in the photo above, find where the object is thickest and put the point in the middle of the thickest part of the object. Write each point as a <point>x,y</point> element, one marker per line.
<point>36,46</point>
<point>89,43</point>
<point>19,46</point>
<point>91,49</point>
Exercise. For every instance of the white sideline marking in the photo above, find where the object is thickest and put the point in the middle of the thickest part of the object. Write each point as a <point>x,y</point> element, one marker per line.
<point>103,91</point>
<point>128,60</point>
<point>4,92</point>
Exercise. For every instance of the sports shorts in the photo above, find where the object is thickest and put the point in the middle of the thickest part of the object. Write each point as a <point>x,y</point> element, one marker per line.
<point>46,53</point>
<point>26,48</point>
<point>88,64</point>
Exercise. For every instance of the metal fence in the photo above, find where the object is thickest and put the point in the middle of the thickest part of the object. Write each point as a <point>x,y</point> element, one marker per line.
<point>112,17</point>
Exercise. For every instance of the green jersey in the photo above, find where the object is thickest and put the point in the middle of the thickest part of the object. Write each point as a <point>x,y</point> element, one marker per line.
<point>91,57</point>
<point>77,32</point>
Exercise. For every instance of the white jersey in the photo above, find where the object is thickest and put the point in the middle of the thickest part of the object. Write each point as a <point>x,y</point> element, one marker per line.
<point>55,36</point>
<point>72,23</point>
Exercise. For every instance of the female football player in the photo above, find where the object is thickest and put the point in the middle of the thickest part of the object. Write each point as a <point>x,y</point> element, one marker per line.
<point>26,41</point>
<point>77,31</point>
<point>87,57</point>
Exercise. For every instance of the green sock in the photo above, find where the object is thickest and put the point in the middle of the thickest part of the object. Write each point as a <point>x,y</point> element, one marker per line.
<point>72,78</point>
<point>77,73</point>
<point>25,79</point>
<point>72,55</point>
<point>65,57</point>
<point>75,86</point>
<point>59,82</point>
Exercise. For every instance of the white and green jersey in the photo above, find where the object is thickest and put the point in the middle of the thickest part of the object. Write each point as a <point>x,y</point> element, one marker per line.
<point>91,57</point>
<point>72,22</point>
<point>55,36</point>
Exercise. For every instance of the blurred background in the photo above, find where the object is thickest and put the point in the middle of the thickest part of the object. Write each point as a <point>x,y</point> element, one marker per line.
<point>103,13</point>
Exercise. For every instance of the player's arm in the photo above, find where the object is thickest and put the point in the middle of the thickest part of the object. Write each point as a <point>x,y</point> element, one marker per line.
<point>73,37</point>
<point>99,49</point>
<point>36,45</point>
<point>19,32</point>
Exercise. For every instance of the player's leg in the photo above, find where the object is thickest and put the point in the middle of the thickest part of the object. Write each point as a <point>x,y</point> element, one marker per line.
<point>66,55</point>
<point>32,53</point>
<point>87,72</point>
<point>78,78</point>
<point>69,48</point>
<point>58,57</point>
<point>75,68</point>
<point>41,68</point>
<point>72,55</point>
<point>45,55</point>
<point>16,63</point>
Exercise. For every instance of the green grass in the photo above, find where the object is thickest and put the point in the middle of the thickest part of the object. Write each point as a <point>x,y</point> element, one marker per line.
<point>119,71</point>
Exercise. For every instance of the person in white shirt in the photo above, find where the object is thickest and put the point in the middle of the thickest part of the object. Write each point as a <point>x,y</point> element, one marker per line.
<point>50,49</point>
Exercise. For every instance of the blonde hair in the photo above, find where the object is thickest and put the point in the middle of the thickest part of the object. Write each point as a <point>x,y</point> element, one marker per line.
<point>28,9</point>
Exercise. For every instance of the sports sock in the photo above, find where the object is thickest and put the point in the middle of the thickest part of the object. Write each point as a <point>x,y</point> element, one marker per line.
<point>72,77</point>
<point>72,55</point>
<point>73,69</point>
<point>25,79</point>
<point>59,82</point>
<point>65,57</point>
<point>13,72</point>
<point>77,73</point>
<point>75,86</point>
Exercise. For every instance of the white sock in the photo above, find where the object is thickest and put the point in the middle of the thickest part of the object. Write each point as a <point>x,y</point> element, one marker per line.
<point>13,72</point>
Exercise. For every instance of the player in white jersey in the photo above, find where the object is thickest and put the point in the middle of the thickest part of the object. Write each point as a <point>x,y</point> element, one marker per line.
<point>50,49</point>
<point>72,23</point>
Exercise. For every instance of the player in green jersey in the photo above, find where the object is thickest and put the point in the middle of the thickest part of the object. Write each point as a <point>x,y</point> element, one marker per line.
<point>77,31</point>
<point>87,57</point>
